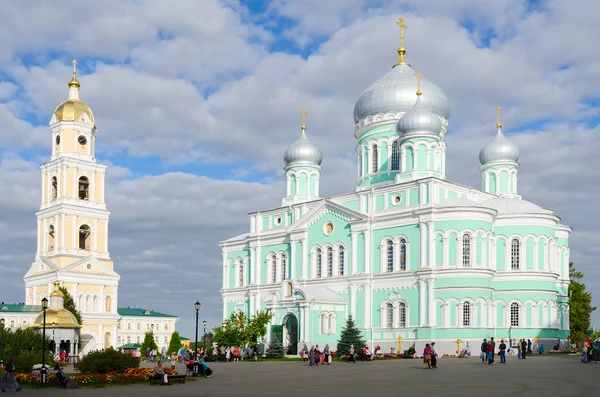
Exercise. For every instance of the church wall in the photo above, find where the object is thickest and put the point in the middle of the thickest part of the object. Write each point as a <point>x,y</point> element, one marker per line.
<point>562,242</point>
<point>413,196</point>
<point>524,231</point>
<point>452,248</point>
<point>529,253</point>
<point>360,309</point>
<point>266,252</point>
<point>463,224</point>
<point>439,250</point>
<point>383,157</point>
<point>472,282</point>
<point>411,232</point>
<point>67,140</point>
<point>297,261</point>
<point>351,204</point>
<point>501,255</point>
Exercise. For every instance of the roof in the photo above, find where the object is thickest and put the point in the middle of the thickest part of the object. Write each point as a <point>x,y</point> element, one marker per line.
<point>515,206</point>
<point>319,294</point>
<point>134,311</point>
<point>130,346</point>
<point>183,338</point>
<point>19,308</point>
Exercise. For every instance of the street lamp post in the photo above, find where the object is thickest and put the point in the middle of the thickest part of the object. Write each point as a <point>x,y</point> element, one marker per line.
<point>204,343</point>
<point>53,339</point>
<point>43,372</point>
<point>197,307</point>
<point>2,343</point>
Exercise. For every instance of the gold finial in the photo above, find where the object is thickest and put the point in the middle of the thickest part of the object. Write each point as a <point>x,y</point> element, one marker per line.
<point>419,77</point>
<point>499,125</point>
<point>74,82</point>
<point>401,49</point>
<point>56,283</point>
<point>303,112</point>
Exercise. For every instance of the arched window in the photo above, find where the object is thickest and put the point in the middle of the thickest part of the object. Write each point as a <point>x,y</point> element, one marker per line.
<point>283,266</point>
<point>84,186</point>
<point>329,262</point>
<point>395,156</point>
<point>466,250</point>
<point>341,260</point>
<point>108,304</point>
<point>466,314</point>
<point>331,326</point>
<point>319,261</point>
<point>273,269</point>
<point>514,314</point>
<point>402,254</point>
<point>402,315</point>
<point>390,256</point>
<point>85,237</point>
<point>515,247</point>
<point>360,165</point>
<point>51,235</point>
<point>241,275</point>
<point>375,159</point>
<point>389,315</point>
<point>54,188</point>
<point>324,323</point>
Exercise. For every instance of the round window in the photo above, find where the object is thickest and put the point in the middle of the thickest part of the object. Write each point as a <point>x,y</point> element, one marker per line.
<point>396,199</point>
<point>89,266</point>
<point>278,220</point>
<point>57,140</point>
<point>328,228</point>
<point>82,140</point>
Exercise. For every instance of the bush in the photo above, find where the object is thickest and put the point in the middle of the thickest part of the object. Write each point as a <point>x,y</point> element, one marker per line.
<point>25,361</point>
<point>106,361</point>
<point>275,349</point>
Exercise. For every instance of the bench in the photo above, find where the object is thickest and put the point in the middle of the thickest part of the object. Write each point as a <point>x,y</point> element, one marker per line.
<point>178,378</point>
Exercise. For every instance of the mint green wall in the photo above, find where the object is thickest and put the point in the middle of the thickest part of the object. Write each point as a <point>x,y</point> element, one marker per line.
<point>422,157</point>
<point>442,194</point>
<point>524,230</point>
<point>453,313</point>
<point>265,222</point>
<point>231,275</point>
<point>492,183</point>
<point>500,315</point>
<point>402,195</point>
<point>264,253</point>
<point>452,194</point>
<point>409,159</point>
<point>313,184</point>
<point>431,159</point>
<point>238,254</point>
<point>439,250</point>
<point>462,225</point>
<point>413,196</point>
<point>503,182</point>
<point>379,202</point>
<point>529,253</point>
<point>479,311</point>
<point>360,252</point>
<point>452,247</point>
<point>341,232</point>
<point>360,311</point>
<point>298,260</point>
<point>460,282</point>
<point>293,184</point>
<point>378,132</point>
<point>352,204</point>
<point>438,313</point>
<point>541,254</point>
<point>479,249</point>
<point>562,242</point>
<point>412,234</point>
<point>427,194</point>
<point>383,155</point>
<point>303,183</point>
<point>500,255</point>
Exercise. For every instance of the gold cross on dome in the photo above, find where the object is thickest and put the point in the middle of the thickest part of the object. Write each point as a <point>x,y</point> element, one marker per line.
<point>400,23</point>
<point>74,62</point>
<point>499,125</point>
<point>419,76</point>
<point>303,112</point>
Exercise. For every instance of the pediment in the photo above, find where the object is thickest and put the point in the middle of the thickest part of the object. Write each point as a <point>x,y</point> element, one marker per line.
<point>41,265</point>
<point>319,211</point>
<point>89,265</point>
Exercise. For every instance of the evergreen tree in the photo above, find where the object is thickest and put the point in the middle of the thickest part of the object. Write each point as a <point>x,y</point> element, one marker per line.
<point>275,349</point>
<point>350,336</point>
<point>175,343</point>
<point>580,306</point>
<point>69,304</point>
<point>148,343</point>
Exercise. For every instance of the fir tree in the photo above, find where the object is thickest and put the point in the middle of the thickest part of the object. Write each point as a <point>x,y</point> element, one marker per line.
<point>350,336</point>
<point>148,343</point>
<point>175,343</point>
<point>69,304</point>
<point>275,349</point>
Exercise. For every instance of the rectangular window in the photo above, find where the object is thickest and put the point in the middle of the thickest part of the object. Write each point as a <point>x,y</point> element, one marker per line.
<point>514,254</point>
<point>402,315</point>
<point>466,250</point>
<point>166,327</point>
<point>139,326</point>
<point>129,326</point>
<point>466,314</point>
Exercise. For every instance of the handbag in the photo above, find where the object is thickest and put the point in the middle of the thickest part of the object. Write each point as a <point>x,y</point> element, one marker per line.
<point>428,357</point>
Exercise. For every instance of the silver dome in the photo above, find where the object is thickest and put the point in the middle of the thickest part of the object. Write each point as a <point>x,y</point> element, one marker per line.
<point>499,149</point>
<point>302,152</point>
<point>395,92</point>
<point>419,120</point>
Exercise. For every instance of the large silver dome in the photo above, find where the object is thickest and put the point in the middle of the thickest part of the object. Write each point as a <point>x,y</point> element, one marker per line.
<point>499,149</point>
<point>302,152</point>
<point>395,92</point>
<point>419,120</point>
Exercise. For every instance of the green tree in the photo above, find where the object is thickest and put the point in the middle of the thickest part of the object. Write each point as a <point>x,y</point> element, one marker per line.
<point>108,360</point>
<point>239,330</point>
<point>174,344</point>
<point>275,349</point>
<point>148,342</point>
<point>69,304</point>
<point>25,344</point>
<point>580,306</point>
<point>350,336</point>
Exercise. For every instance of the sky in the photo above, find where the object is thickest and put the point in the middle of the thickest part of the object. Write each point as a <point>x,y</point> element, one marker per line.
<point>196,101</point>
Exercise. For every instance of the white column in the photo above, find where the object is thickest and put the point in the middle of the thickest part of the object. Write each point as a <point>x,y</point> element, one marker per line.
<point>446,249</point>
<point>473,314</point>
<point>103,186</point>
<point>403,159</point>
<point>432,258</point>
<point>252,265</point>
<point>39,236</point>
<point>484,250</point>
<point>75,233</point>
<point>446,315</point>
<point>431,302</point>
<point>423,245</point>
<point>63,225</point>
<point>354,262</point>
<point>304,258</point>
<point>427,157</point>
<point>64,180</point>
<point>422,194</point>
<point>225,271</point>
<point>535,256</point>
<point>353,301</point>
<point>535,323</point>
<point>422,319</point>
<point>484,315</point>
<point>252,303</point>
<point>95,248</point>
<point>368,298</point>
<point>93,188</point>
<point>115,301</point>
<point>45,239</point>
<point>43,199</point>
<point>368,255</point>
<point>259,263</point>
<point>225,314</point>
<point>407,256</point>
<point>383,257</point>
<point>396,248</point>
<point>291,263</point>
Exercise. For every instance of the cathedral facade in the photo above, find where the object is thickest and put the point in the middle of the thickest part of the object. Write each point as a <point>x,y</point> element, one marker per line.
<point>411,256</point>
<point>72,240</point>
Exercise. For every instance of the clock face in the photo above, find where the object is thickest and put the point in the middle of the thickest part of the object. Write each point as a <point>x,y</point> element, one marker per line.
<point>82,140</point>
<point>57,140</point>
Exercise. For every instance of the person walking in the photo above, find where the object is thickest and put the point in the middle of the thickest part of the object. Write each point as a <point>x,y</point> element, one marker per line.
<point>502,352</point>
<point>326,353</point>
<point>215,354</point>
<point>484,350</point>
<point>433,355</point>
<point>529,351</point>
<point>311,356</point>
<point>427,357</point>
<point>9,381</point>
<point>351,355</point>
<point>491,349</point>
<point>523,349</point>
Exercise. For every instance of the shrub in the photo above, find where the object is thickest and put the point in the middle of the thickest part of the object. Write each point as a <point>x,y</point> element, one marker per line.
<point>107,361</point>
<point>275,349</point>
<point>25,361</point>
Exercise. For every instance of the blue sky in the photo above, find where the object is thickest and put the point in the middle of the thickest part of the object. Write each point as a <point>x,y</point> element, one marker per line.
<point>196,102</point>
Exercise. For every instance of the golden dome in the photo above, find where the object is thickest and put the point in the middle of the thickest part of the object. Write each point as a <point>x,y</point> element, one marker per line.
<point>71,109</point>
<point>56,293</point>
<point>62,318</point>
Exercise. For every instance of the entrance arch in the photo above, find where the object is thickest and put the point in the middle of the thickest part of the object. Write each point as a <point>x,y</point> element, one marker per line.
<point>290,334</point>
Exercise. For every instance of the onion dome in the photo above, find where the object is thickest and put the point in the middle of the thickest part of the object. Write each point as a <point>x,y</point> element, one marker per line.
<point>56,314</point>
<point>500,148</point>
<point>73,108</point>
<point>419,120</point>
<point>303,151</point>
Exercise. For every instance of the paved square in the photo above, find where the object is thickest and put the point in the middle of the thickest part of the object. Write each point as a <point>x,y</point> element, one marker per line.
<point>536,376</point>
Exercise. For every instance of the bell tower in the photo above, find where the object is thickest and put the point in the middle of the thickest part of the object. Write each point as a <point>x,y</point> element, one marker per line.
<point>72,224</point>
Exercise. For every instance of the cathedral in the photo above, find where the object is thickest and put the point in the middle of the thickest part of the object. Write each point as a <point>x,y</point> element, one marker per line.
<point>72,242</point>
<point>410,255</point>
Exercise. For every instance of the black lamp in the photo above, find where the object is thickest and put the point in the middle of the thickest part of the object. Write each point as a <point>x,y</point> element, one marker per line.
<point>2,343</point>
<point>204,343</point>
<point>43,372</point>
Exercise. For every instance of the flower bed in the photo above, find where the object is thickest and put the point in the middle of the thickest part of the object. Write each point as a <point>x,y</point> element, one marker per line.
<point>130,375</point>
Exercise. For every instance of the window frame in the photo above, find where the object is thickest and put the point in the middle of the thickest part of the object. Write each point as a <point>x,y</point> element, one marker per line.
<point>466,314</point>
<point>395,166</point>
<point>329,261</point>
<point>402,253</point>
<point>375,158</point>
<point>402,315</point>
<point>319,262</point>
<point>515,314</point>
<point>389,256</point>
<point>466,250</point>
<point>515,254</point>
<point>389,315</point>
<point>341,262</point>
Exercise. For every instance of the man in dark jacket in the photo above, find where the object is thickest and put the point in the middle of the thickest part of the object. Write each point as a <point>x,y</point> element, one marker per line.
<point>523,349</point>
<point>484,347</point>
